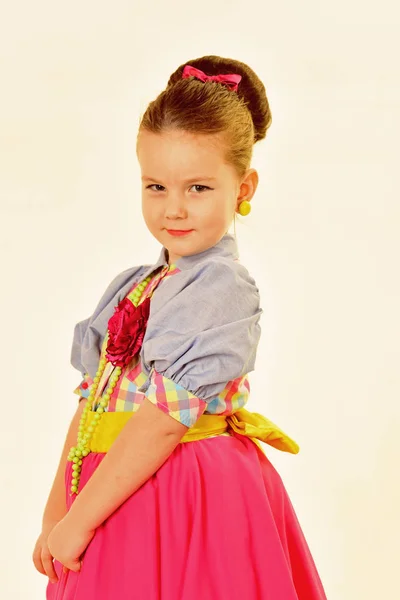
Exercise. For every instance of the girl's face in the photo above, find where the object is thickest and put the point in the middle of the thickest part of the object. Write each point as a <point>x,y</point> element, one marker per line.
<point>187,186</point>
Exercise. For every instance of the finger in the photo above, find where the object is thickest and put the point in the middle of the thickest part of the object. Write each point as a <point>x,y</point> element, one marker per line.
<point>74,565</point>
<point>37,560</point>
<point>47,561</point>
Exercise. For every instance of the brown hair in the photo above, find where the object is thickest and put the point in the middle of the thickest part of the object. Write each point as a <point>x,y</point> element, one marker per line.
<point>242,117</point>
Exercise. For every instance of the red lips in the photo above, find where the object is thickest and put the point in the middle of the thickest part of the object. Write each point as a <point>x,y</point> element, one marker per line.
<point>179,231</point>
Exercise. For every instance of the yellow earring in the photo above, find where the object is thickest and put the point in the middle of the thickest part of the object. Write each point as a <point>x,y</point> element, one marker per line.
<point>244,208</point>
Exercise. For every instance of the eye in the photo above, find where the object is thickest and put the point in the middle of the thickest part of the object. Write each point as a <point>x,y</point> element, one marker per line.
<point>154,185</point>
<point>205,187</point>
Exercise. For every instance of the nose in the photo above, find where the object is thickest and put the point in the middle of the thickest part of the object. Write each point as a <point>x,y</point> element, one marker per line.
<point>175,207</point>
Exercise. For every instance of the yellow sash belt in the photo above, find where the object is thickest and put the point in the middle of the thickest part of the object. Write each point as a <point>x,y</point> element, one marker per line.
<point>249,424</point>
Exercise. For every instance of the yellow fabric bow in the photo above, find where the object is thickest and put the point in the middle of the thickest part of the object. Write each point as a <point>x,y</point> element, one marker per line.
<point>243,422</point>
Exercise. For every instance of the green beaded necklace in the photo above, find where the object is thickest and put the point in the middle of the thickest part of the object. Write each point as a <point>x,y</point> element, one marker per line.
<point>85,434</point>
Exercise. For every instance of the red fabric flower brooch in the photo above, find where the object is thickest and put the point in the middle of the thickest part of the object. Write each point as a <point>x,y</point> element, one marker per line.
<point>126,329</point>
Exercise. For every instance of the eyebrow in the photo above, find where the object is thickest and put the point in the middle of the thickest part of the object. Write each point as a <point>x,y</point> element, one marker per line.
<point>191,180</point>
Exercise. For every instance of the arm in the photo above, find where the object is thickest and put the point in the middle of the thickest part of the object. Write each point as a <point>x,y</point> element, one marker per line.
<point>142,447</point>
<point>56,507</point>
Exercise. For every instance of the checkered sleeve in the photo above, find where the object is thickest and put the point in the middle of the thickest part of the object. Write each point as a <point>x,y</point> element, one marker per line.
<point>84,387</point>
<point>173,399</point>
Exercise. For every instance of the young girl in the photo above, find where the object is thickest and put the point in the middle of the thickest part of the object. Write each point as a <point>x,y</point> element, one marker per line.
<point>169,495</point>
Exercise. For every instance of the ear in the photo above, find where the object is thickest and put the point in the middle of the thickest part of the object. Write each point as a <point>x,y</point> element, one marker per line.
<point>248,186</point>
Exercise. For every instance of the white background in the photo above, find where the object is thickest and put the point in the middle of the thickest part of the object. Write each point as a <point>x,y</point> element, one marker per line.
<point>322,242</point>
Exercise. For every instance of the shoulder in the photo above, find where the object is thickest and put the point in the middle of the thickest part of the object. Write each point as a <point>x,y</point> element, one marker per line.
<point>129,274</point>
<point>121,282</point>
<point>218,285</point>
<point>218,274</point>
<point>113,292</point>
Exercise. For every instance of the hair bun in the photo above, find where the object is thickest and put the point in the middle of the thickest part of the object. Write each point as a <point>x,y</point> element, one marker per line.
<point>251,89</point>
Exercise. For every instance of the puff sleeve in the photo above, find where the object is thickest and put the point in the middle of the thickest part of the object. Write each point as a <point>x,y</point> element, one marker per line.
<point>89,333</point>
<point>203,332</point>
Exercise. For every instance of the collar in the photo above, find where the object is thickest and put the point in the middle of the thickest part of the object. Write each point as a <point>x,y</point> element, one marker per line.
<point>226,247</point>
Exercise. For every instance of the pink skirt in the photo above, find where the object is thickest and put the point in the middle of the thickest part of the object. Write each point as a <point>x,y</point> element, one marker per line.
<point>214,523</point>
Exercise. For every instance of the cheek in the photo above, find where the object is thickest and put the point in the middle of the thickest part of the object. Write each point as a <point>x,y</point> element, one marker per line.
<point>206,209</point>
<point>215,210</point>
<point>148,216</point>
<point>149,209</point>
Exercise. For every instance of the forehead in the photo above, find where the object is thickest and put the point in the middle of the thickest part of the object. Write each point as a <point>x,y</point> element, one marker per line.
<point>180,154</point>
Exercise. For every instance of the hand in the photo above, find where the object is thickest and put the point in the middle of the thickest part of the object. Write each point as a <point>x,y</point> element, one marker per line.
<point>68,541</point>
<point>42,558</point>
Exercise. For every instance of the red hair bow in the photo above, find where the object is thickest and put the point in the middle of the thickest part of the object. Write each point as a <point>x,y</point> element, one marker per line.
<point>231,80</point>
